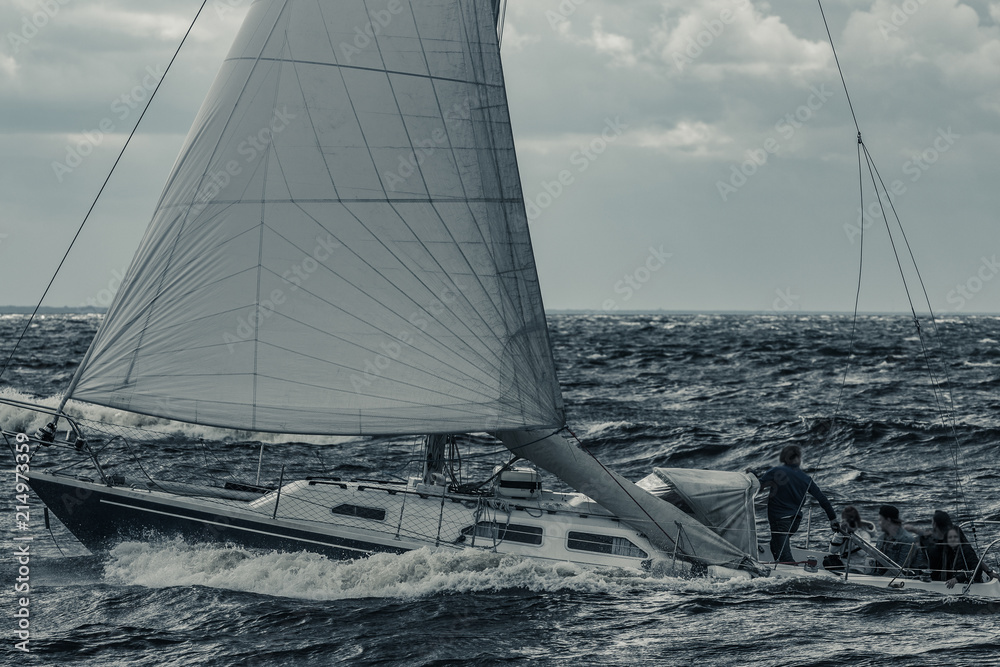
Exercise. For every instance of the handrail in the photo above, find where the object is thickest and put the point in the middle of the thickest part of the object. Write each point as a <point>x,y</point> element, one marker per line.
<point>976,522</point>
<point>809,517</point>
<point>44,409</point>
<point>906,561</point>
<point>847,565</point>
<point>74,435</point>
<point>982,559</point>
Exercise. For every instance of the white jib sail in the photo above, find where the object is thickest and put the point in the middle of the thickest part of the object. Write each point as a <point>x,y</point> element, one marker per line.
<point>342,246</point>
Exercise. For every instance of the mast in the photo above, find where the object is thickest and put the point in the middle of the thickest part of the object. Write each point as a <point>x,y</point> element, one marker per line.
<point>434,459</point>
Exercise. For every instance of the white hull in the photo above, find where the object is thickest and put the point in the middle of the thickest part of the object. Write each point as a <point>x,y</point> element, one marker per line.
<point>888,583</point>
<point>564,527</point>
<point>374,517</point>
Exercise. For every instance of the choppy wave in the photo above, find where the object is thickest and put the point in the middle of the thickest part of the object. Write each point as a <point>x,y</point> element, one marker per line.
<point>698,391</point>
<point>27,421</point>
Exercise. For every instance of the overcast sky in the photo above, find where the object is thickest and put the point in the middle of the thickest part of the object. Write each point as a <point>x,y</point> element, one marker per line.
<point>726,177</point>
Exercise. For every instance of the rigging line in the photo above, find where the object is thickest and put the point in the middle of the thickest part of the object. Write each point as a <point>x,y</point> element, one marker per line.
<point>892,240</point>
<point>861,258</point>
<point>927,300</point>
<point>536,441</point>
<point>913,259</point>
<point>857,294</point>
<point>874,170</point>
<point>501,23</point>
<point>854,329</point>
<point>101,191</point>
<point>839,68</point>
<point>959,490</point>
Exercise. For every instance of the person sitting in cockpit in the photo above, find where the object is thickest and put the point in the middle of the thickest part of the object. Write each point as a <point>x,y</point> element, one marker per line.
<point>961,564</point>
<point>897,543</point>
<point>850,551</point>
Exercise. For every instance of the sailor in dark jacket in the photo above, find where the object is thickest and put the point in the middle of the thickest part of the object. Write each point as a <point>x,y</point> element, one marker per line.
<point>789,486</point>
<point>961,564</point>
<point>932,542</point>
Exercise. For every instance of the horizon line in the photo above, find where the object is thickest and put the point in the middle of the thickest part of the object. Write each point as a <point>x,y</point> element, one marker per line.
<point>92,310</point>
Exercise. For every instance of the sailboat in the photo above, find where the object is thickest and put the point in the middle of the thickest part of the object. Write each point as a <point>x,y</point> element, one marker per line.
<point>342,249</point>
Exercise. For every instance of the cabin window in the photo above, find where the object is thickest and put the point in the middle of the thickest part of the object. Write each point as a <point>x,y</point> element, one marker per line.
<point>510,532</point>
<point>373,513</point>
<point>604,544</point>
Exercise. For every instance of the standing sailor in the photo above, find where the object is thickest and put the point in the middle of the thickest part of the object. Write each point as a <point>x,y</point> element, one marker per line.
<point>789,486</point>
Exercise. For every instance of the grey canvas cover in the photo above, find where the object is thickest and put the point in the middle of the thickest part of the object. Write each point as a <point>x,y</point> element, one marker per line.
<point>721,500</point>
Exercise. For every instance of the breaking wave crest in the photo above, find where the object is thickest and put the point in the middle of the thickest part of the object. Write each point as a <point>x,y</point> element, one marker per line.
<point>28,421</point>
<point>418,573</point>
<point>315,577</point>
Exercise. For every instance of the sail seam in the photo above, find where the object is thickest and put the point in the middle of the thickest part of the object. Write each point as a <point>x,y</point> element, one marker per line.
<point>312,122</point>
<point>402,219</point>
<point>368,69</point>
<point>385,192</point>
<point>507,303</point>
<point>183,222</point>
<point>461,180</point>
<point>271,150</point>
<point>542,324</point>
<point>481,357</point>
<point>383,331</point>
<point>417,200</point>
<point>399,400</point>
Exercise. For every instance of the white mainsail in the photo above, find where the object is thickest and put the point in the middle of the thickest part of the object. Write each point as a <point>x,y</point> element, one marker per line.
<point>342,246</point>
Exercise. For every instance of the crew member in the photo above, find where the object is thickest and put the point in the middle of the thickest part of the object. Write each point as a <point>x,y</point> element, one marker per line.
<point>789,486</point>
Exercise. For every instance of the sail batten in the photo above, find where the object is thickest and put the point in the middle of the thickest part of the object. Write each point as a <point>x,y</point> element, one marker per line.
<point>342,245</point>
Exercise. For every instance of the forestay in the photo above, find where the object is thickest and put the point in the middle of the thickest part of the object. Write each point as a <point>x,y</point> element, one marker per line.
<point>342,246</point>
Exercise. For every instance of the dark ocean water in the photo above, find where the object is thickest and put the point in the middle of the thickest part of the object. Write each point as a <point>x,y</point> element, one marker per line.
<point>707,391</point>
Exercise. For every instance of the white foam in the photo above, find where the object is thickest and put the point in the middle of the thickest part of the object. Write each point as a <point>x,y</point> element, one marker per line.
<point>312,576</point>
<point>27,421</point>
<point>606,426</point>
<point>413,574</point>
